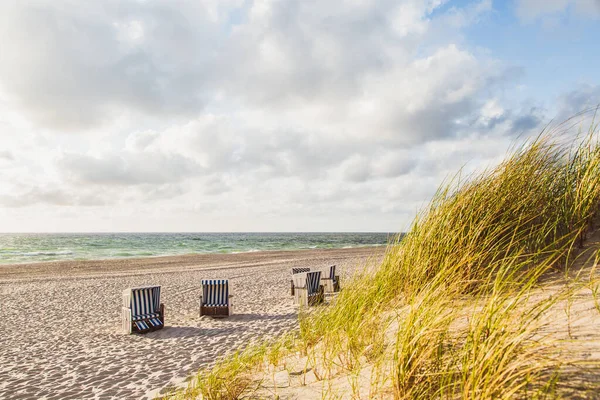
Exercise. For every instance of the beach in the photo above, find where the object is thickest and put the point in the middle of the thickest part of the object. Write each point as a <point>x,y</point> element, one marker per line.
<point>61,321</point>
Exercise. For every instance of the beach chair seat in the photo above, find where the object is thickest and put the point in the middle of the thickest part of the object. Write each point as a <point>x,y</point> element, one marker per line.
<point>146,325</point>
<point>297,271</point>
<point>216,300</point>
<point>142,326</point>
<point>330,281</point>
<point>145,316</point>
<point>142,310</point>
<point>308,288</point>
<point>155,322</point>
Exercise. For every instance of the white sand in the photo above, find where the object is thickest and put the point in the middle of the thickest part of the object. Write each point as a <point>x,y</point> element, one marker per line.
<point>60,322</point>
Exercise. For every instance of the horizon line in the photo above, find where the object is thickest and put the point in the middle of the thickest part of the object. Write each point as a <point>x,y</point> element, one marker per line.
<point>92,232</point>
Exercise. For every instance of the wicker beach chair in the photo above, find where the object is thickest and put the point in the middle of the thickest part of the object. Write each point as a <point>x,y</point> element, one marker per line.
<point>308,290</point>
<point>297,271</point>
<point>330,281</point>
<point>215,299</point>
<point>142,310</point>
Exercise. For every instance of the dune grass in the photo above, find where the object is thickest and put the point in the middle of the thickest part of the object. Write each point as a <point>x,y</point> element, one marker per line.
<point>449,312</point>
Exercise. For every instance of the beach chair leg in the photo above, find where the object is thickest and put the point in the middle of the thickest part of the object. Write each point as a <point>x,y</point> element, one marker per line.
<point>161,316</point>
<point>328,285</point>
<point>301,297</point>
<point>292,281</point>
<point>127,323</point>
<point>200,312</point>
<point>321,296</point>
<point>336,284</point>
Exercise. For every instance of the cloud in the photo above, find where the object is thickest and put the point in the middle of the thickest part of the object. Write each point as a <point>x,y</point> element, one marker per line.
<point>356,169</point>
<point>50,196</point>
<point>6,155</point>
<point>153,192</point>
<point>527,122</point>
<point>530,10</point>
<point>139,141</point>
<point>264,109</point>
<point>391,164</point>
<point>582,98</point>
<point>215,185</point>
<point>128,168</point>
<point>72,67</point>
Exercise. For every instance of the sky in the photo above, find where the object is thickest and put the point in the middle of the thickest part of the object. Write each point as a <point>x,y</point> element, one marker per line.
<point>295,115</point>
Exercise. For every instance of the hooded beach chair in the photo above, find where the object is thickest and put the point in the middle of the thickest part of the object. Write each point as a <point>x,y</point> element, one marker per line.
<point>308,290</point>
<point>142,310</point>
<point>298,271</point>
<point>215,299</point>
<point>330,281</point>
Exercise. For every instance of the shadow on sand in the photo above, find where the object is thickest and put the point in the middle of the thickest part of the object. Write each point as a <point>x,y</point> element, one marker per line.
<point>171,332</point>
<point>263,317</point>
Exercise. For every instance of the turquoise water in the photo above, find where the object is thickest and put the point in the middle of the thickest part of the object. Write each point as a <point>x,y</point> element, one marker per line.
<point>36,247</point>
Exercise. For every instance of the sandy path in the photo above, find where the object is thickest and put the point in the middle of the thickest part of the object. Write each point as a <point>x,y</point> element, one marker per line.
<point>60,321</point>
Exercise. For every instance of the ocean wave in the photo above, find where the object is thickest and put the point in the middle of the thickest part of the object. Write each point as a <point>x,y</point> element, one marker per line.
<point>43,253</point>
<point>246,251</point>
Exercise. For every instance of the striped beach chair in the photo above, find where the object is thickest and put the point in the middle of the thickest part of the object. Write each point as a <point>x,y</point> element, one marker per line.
<point>309,290</point>
<point>142,310</point>
<point>330,281</point>
<point>216,299</point>
<point>297,271</point>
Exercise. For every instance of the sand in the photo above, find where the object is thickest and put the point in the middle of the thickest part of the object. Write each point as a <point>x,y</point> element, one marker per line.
<point>60,321</point>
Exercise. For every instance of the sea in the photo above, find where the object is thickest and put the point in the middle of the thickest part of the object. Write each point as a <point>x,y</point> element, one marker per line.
<point>18,248</point>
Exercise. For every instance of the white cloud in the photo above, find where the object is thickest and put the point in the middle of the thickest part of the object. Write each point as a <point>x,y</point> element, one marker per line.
<point>242,116</point>
<point>73,66</point>
<point>529,10</point>
<point>127,168</point>
<point>583,97</point>
<point>6,155</point>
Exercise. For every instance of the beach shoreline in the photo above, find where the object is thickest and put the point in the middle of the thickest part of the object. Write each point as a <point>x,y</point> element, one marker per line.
<point>61,319</point>
<point>168,263</point>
